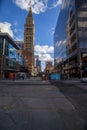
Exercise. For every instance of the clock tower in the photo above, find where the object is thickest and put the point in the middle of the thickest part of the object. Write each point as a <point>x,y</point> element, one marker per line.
<point>29,41</point>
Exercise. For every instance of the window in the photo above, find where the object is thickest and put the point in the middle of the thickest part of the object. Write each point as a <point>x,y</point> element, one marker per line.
<point>82,13</point>
<point>1,46</point>
<point>82,23</point>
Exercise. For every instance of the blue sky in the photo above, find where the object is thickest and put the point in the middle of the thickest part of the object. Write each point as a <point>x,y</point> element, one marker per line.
<point>45,13</point>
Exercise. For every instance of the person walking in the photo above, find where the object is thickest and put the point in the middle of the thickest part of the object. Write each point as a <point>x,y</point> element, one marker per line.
<point>23,76</point>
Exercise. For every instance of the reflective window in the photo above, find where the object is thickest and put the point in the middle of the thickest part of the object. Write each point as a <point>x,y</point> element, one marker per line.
<point>60,35</point>
<point>82,23</point>
<point>82,14</point>
<point>81,3</point>
<point>1,45</point>
<point>81,34</point>
<point>13,52</point>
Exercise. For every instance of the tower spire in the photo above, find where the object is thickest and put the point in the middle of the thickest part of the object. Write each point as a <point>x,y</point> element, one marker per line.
<point>28,52</point>
<point>30,11</point>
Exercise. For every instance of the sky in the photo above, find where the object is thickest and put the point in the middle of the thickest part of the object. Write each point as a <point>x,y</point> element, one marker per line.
<point>13,14</point>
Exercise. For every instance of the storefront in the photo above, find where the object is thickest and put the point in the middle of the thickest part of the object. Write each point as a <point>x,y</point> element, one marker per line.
<point>9,57</point>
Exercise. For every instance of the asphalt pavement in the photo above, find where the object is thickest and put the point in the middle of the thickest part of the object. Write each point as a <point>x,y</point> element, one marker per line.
<point>35,104</point>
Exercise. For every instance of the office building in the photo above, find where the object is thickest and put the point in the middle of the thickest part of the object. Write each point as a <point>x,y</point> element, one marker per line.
<point>60,38</point>
<point>49,66</point>
<point>38,65</point>
<point>20,44</point>
<point>9,58</point>
<point>71,55</point>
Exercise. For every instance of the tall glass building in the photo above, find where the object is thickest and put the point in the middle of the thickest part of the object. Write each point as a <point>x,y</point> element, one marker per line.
<point>10,60</point>
<point>70,39</point>
<point>60,36</point>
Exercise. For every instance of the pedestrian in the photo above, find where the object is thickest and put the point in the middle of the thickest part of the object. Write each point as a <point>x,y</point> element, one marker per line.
<point>23,76</point>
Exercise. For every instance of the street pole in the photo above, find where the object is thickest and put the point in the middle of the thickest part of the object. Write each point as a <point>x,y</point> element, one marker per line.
<point>80,66</point>
<point>80,69</point>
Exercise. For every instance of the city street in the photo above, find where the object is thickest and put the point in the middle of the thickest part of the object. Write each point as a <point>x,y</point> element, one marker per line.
<point>43,65</point>
<point>35,104</point>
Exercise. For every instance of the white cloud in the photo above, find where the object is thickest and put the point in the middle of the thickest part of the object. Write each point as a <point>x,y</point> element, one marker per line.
<point>6,27</point>
<point>58,2</point>
<point>50,49</point>
<point>44,49</point>
<point>60,43</point>
<point>44,52</point>
<point>44,57</point>
<point>41,49</point>
<point>55,4</point>
<point>37,5</point>
<point>64,42</point>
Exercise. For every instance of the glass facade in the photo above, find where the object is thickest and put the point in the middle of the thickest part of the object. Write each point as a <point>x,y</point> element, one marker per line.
<point>10,53</point>
<point>60,35</point>
<point>10,60</point>
<point>9,49</point>
<point>70,38</point>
